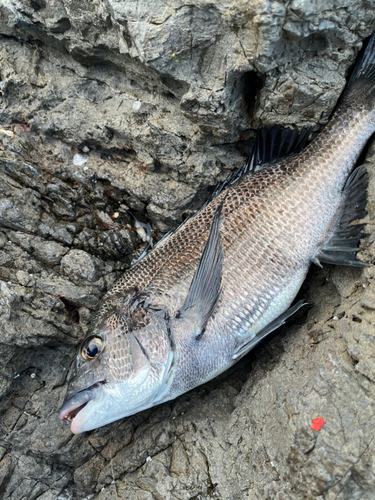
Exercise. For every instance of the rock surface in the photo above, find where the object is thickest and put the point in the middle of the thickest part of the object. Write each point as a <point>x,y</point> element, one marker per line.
<point>110,106</point>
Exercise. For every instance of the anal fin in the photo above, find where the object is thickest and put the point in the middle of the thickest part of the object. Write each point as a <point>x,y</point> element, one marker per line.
<point>279,321</point>
<point>342,246</point>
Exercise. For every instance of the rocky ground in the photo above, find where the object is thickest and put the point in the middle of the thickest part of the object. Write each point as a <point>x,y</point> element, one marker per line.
<point>108,106</point>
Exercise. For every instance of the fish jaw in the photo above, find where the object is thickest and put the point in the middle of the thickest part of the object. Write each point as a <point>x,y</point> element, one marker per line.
<point>89,416</point>
<point>93,407</point>
<point>103,403</point>
<point>105,408</point>
<point>73,407</point>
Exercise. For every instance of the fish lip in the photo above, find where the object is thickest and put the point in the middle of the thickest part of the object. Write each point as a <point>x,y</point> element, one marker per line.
<point>73,405</point>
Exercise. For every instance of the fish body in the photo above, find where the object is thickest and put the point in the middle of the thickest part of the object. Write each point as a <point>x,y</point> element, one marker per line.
<point>206,295</point>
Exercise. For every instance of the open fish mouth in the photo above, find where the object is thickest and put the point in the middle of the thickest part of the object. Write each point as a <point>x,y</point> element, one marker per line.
<point>68,417</point>
<point>77,402</point>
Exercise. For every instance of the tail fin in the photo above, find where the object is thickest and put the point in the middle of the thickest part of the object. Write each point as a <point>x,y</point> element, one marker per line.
<point>361,85</point>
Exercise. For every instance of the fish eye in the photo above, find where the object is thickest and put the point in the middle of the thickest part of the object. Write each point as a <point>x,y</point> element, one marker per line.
<point>91,348</point>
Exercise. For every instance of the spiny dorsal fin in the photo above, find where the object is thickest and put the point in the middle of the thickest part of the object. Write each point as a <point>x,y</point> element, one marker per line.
<point>341,248</point>
<point>365,67</point>
<point>270,144</point>
<point>276,143</point>
<point>205,287</point>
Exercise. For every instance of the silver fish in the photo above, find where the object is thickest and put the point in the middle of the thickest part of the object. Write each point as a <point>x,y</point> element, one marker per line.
<point>209,292</point>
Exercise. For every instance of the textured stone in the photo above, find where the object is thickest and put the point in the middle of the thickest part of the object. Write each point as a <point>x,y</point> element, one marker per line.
<point>77,264</point>
<point>48,252</point>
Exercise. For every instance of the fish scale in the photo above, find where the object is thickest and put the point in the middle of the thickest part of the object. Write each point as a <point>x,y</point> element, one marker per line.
<point>227,277</point>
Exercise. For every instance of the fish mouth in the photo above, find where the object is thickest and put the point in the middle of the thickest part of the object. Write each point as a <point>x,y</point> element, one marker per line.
<point>73,405</point>
<point>69,415</point>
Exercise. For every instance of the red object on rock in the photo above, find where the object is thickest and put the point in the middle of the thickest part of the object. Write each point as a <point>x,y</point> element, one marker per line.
<point>317,424</point>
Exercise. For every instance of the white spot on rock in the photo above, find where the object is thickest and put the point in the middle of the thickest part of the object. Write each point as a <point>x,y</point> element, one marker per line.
<point>79,159</point>
<point>136,105</point>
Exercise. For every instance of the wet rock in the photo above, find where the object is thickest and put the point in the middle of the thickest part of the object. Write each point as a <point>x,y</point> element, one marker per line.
<point>115,106</point>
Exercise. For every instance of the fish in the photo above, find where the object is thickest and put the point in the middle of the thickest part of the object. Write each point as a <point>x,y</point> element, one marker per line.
<point>209,292</point>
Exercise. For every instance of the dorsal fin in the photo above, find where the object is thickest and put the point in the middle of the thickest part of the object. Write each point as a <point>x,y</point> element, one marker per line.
<point>271,144</point>
<point>364,70</point>
<point>276,143</point>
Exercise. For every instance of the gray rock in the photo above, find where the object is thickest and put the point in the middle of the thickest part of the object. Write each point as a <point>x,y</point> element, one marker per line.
<point>7,298</point>
<point>78,265</point>
<point>48,252</point>
<point>162,100</point>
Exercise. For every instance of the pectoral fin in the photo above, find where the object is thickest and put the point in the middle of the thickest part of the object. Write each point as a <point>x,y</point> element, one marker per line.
<point>205,287</point>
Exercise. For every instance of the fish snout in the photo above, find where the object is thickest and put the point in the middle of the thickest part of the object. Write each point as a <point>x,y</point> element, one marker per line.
<point>74,404</point>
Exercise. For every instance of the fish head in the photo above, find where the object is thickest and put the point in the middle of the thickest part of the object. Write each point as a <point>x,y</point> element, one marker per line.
<point>124,366</point>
